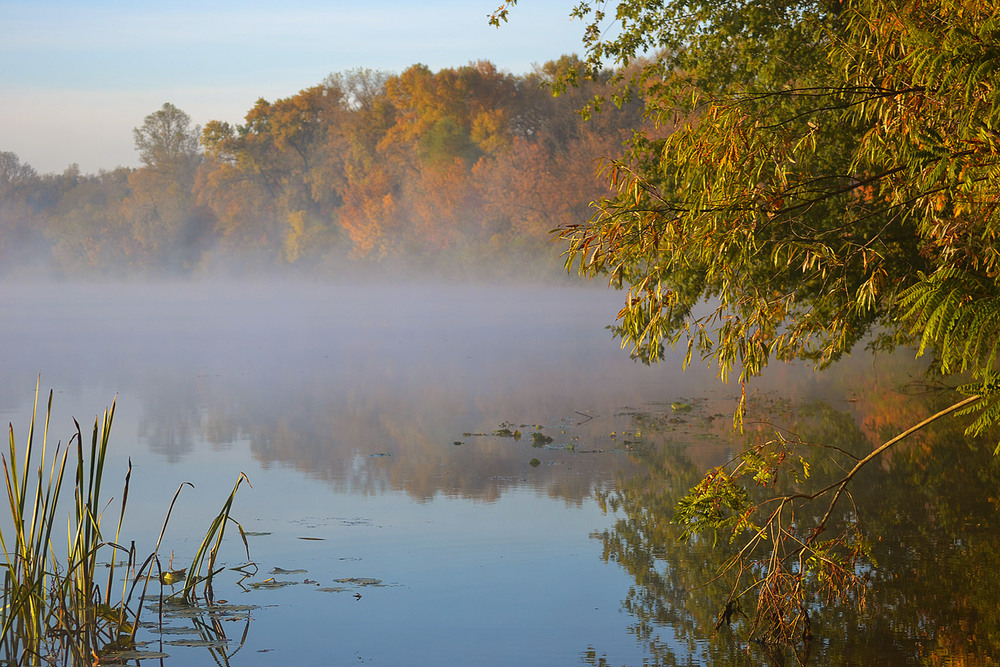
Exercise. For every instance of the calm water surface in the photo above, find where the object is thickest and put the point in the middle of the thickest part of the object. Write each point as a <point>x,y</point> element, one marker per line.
<point>364,418</point>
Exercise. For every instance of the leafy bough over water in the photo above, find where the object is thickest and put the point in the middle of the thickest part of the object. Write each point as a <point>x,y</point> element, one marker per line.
<point>784,554</point>
<point>822,172</point>
<point>58,611</point>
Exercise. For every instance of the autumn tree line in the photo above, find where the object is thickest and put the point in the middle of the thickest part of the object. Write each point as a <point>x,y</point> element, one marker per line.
<point>462,170</point>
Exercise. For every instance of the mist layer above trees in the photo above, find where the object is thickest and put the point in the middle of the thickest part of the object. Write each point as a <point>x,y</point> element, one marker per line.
<point>462,169</point>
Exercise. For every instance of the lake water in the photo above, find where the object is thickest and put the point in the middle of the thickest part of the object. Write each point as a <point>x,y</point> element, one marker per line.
<point>365,418</point>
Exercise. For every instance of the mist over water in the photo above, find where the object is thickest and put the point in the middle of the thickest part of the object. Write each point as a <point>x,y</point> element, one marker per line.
<point>369,388</point>
<point>352,409</point>
<point>366,419</point>
<point>382,363</point>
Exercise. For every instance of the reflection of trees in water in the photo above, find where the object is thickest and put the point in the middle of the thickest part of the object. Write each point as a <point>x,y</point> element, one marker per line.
<point>373,441</point>
<point>664,599</point>
<point>929,512</point>
<point>370,436</point>
<point>173,437</point>
<point>935,507</point>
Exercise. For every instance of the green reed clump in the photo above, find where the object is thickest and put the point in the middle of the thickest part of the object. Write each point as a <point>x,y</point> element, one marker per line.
<point>57,610</point>
<point>46,608</point>
<point>33,515</point>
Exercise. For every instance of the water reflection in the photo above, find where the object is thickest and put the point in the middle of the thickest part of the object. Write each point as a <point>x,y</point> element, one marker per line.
<point>343,405</point>
<point>350,408</point>
<point>930,511</point>
<point>366,388</point>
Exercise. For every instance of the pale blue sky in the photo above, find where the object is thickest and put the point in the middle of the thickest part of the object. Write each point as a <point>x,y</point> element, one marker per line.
<point>77,76</point>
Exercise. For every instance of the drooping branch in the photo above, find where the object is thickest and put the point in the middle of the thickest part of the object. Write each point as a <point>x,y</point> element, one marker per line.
<point>878,451</point>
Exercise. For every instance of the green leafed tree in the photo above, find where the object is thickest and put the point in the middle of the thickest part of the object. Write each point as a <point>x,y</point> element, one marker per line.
<point>832,175</point>
<point>166,141</point>
<point>167,227</point>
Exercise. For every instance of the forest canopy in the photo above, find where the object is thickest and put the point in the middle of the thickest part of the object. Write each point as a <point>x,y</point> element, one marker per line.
<point>465,170</point>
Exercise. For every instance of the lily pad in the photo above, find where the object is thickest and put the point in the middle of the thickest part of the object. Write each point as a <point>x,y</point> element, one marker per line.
<point>217,643</point>
<point>359,581</point>
<point>122,657</point>
<point>174,609</point>
<point>227,609</point>
<point>539,439</point>
<point>271,583</point>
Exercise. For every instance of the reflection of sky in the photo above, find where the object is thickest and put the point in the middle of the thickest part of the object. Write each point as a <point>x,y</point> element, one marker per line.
<point>514,581</point>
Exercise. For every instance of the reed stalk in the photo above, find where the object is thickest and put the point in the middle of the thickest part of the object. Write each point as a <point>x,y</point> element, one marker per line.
<point>209,548</point>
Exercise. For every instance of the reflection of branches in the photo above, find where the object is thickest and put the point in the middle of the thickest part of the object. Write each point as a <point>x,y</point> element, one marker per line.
<point>780,561</point>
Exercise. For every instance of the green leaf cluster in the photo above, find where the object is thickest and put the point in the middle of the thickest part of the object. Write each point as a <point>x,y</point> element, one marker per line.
<point>717,503</point>
<point>958,314</point>
<point>721,503</point>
